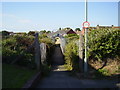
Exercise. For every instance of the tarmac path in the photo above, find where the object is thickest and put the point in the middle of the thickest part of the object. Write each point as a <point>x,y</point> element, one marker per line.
<point>60,78</point>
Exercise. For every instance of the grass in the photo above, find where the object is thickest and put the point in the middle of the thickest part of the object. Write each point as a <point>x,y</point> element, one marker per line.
<point>46,70</point>
<point>110,71</point>
<point>14,76</point>
<point>68,67</point>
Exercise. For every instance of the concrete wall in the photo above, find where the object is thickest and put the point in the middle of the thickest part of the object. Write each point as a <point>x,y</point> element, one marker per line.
<point>43,53</point>
<point>62,44</point>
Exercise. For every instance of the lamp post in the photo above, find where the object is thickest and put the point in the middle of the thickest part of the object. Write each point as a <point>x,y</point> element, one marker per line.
<point>85,59</point>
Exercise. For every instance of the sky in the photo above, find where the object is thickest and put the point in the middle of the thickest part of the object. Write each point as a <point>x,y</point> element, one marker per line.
<point>36,16</point>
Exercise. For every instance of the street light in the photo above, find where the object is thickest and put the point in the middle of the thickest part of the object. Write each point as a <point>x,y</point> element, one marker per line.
<point>85,59</point>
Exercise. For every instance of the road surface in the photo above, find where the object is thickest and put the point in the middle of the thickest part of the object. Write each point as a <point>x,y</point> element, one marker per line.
<point>60,78</point>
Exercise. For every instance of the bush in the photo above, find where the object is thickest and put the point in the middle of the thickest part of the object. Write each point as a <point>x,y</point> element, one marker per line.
<point>8,55</point>
<point>72,36</point>
<point>43,35</point>
<point>48,41</point>
<point>24,41</point>
<point>104,72</point>
<point>104,43</point>
<point>71,56</point>
<point>8,49</point>
<point>14,46</point>
<point>5,33</point>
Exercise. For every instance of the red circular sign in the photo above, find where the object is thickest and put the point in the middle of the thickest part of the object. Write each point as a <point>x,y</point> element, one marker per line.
<point>86,24</point>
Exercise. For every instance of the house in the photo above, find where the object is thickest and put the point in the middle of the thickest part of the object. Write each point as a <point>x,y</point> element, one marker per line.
<point>11,33</point>
<point>61,33</point>
<point>108,27</point>
<point>116,27</point>
<point>20,33</point>
<point>80,32</point>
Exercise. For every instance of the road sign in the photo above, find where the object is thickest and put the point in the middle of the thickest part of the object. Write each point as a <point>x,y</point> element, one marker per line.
<point>86,24</point>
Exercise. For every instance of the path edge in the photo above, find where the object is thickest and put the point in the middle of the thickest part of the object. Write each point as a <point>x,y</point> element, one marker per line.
<point>33,81</point>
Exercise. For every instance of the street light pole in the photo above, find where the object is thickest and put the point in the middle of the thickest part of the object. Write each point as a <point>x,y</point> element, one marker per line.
<point>86,10</point>
<point>85,59</point>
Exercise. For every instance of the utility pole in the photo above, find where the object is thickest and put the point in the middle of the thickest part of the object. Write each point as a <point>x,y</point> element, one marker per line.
<point>85,59</point>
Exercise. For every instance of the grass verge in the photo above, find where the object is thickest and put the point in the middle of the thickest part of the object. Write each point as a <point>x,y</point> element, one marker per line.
<point>14,76</point>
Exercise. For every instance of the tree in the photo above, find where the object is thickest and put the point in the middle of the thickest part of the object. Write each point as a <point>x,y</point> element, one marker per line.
<point>43,31</point>
<point>48,32</point>
<point>77,29</point>
<point>60,28</point>
<point>5,33</point>
<point>31,33</point>
<point>67,28</point>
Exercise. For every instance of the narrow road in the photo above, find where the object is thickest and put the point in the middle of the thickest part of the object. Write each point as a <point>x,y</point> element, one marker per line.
<point>60,78</point>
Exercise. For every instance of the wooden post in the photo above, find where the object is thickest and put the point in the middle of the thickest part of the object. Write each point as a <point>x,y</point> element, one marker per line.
<point>81,52</point>
<point>37,52</point>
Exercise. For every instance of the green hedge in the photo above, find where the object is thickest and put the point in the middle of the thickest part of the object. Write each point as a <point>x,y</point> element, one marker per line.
<point>71,56</point>
<point>14,46</point>
<point>104,43</point>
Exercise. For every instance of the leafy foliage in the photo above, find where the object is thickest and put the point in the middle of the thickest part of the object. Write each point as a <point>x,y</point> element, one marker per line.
<point>48,41</point>
<point>70,37</point>
<point>31,33</point>
<point>5,33</point>
<point>71,56</point>
<point>77,29</point>
<point>104,43</point>
<point>13,46</point>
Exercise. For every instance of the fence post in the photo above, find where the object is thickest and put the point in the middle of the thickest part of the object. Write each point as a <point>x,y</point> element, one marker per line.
<point>81,52</point>
<point>37,52</point>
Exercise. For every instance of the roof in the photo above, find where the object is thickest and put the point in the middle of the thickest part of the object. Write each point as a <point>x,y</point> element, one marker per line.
<point>104,27</point>
<point>57,32</point>
<point>61,32</point>
<point>116,27</point>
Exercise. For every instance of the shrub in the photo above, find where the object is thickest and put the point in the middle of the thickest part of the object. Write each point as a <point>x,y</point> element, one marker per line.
<point>47,41</point>
<point>8,55</point>
<point>72,36</point>
<point>71,56</point>
<point>5,33</point>
<point>104,72</point>
<point>14,46</point>
<point>104,43</point>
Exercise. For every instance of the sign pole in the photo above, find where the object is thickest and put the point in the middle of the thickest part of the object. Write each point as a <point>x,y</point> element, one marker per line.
<point>85,59</point>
